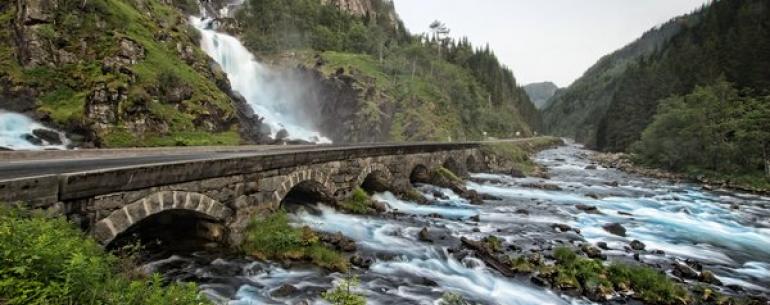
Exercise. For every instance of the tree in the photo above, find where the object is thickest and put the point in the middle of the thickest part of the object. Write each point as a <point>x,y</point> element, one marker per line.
<point>439,30</point>
<point>754,128</point>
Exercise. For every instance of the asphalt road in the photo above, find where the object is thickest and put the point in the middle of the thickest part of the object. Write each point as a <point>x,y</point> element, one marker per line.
<point>71,163</point>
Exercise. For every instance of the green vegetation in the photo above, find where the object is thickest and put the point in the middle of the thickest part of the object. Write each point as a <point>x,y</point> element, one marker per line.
<point>452,298</point>
<point>99,62</point>
<point>274,238</point>
<point>358,203</point>
<point>649,285</point>
<point>447,174</point>
<point>715,131</point>
<point>617,99</point>
<point>49,261</point>
<point>343,294</point>
<point>517,153</point>
<point>414,87</point>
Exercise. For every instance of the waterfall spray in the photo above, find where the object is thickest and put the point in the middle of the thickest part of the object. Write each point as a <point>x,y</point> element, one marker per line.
<point>276,98</point>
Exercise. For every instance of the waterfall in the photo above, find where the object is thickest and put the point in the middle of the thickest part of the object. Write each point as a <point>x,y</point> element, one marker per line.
<point>272,95</point>
<point>19,132</point>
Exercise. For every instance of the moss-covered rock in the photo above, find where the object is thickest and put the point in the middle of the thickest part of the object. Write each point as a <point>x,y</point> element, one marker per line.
<point>114,72</point>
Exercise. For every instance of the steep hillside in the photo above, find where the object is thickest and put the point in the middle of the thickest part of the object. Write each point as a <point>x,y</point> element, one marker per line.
<point>572,112</point>
<point>372,81</point>
<point>540,93</point>
<point>616,99</point>
<point>115,73</point>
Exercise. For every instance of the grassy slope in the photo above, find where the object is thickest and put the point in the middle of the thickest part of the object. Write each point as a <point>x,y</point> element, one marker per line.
<point>425,109</point>
<point>63,89</point>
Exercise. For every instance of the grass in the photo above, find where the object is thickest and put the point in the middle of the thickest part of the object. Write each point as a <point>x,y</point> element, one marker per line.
<point>358,203</point>
<point>447,174</point>
<point>119,137</point>
<point>517,153</point>
<point>273,238</point>
<point>49,261</point>
<point>649,285</point>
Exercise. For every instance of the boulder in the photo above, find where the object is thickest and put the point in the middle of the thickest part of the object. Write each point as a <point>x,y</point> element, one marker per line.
<point>361,261</point>
<point>602,245</point>
<point>637,245</point>
<point>424,235</point>
<point>515,173</point>
<point>50,136</point>
<point>588,209</point>
<point>32,139</point>
<point>684,271</point>
<point>709,277</point>
<point>381,206</point>
<point>591,167</point>
<point>615,229</point>
<point>284,291</point>
<point>592,252</point>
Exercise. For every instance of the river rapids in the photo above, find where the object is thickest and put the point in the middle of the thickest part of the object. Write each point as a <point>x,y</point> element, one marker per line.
<point>727,233</point>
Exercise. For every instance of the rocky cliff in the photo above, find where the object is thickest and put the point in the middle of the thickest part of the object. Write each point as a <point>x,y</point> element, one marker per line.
<point>116,73</point>
<point>540,93</point>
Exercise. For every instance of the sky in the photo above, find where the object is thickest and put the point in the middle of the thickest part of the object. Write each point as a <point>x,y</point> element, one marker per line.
<point>545,40</point>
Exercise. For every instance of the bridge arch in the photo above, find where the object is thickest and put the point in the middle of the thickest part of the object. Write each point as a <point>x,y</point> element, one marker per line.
<point>167,203</point>
<point>419,174</point>
<point>455,167</point>
<point>375,178</point>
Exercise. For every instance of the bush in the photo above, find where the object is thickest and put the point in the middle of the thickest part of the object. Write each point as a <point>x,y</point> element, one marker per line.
<point>49,261</point>
<point>342,294</point>
<point>274,238</point>
<point>358,203</point>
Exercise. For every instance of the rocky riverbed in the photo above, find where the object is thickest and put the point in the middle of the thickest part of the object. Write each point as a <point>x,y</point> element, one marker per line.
<point>414,253</point>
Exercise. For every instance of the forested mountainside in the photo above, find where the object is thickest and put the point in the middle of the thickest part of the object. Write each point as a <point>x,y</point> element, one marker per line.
<point>130,73</point>
<point>573,111</point>
<point>540,93</point>
<point>377,82</point>
<point>115,73</point>
<point>614,101</point>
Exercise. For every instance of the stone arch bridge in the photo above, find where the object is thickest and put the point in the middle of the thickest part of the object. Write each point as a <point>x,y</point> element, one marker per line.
<point>225,192</point>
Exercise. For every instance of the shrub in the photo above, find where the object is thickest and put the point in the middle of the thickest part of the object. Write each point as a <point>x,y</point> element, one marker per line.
<point>358,203</point>
<point>342,294</point>
<point>49,261</point>
<point>274,238</point>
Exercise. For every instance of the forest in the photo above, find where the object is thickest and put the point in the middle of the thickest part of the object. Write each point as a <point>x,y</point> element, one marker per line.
<point>439,86</point>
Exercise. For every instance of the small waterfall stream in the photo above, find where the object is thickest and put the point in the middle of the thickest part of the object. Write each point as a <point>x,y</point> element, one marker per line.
<point>273,96</point>
<point>18,132</point>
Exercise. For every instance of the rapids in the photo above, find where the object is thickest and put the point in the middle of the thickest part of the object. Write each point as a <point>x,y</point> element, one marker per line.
<point>728,233</point>
<point>15,129</point>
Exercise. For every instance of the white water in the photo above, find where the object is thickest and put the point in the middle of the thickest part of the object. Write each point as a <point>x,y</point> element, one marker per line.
<point>13,128</point>
<point>274,96</point>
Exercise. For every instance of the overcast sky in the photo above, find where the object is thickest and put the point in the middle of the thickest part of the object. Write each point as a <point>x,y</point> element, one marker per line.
<point>545,40</point>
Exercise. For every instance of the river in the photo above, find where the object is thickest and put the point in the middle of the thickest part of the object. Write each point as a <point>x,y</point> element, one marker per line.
<point>727,233</point>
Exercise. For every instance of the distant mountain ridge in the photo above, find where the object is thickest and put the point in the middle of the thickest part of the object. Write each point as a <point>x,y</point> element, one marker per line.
<point>540,93</point>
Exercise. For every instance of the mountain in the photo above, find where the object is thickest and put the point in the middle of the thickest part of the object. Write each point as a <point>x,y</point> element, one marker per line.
<point>114,73</point>
<point>539,93</point>
<point>613,102</point>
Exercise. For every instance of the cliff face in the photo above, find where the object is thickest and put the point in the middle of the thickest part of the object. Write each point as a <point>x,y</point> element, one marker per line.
<point>114,73</point>
<point>540,93</point>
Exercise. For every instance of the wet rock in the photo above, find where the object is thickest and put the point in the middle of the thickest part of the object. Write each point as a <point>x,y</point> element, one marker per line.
<point>32,139</point>
<point>535,259</point>
<point>381,206</point>
<point>616,229</point>
<point>709,277</point>
<point>624,213</point>
<point>592,195</point>
<point>339,241</point>
<point>475,218</point>
<point>50,136</point>
<point>540,281</point>
<point>658,252</point>
<point>488,257</point>
<point>612,184</point>
<point>284,291</point>
<point>440,195</point>
<point>602,245</point>
<point>735,206</point>
<point>543,186</point>
<point>561,227</point>
<point>694,264</point>
<point>637,245</point>
<point>476,230</point>
<point>591,167</point>
<point>684,271</point>
<point>522,211</point>
<point>490,197</point>
<point>592,252</point>
<point>424,235</point>
<point>361,261</point>
<point>515,173</point>
<point>588,209</point>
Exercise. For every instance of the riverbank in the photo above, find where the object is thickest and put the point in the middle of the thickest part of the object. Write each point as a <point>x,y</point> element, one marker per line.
<point>709,181</point>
